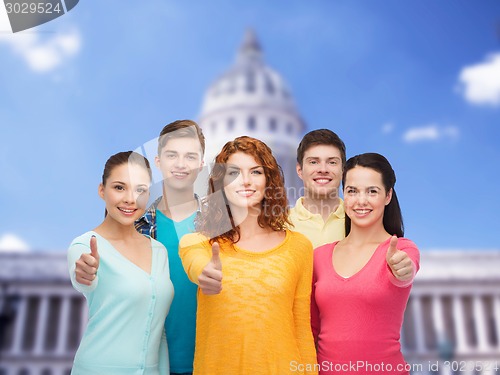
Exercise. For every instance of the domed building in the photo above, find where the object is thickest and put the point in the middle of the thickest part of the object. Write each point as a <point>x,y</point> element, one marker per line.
<point>252,99</point>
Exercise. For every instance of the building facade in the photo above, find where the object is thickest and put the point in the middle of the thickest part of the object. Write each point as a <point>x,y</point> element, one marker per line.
<point>453,315</point>
<point>452,320</point>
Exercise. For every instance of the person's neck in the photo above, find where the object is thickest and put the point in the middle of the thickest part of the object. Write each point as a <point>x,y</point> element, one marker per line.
<point>114,231</point>
<point>321,205</point>
<point>359,236</point>
<point>250,228</point>
<point>178,204</point>
<point>247,221</point>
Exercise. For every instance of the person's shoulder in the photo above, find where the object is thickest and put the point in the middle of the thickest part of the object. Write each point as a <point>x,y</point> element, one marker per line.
<point>299,243</point>
<point>340,211</point>
<point>298,205</point>
<point>192,239</point>
<point>298,237</point>
<point>406,243</point>
<point>79,245</point>
<point>83,239</point>
<point>155,244</point>
<point>324,250</point>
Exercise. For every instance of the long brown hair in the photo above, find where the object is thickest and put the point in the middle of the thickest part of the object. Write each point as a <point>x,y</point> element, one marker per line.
<point>274,213</point>
<point>393,219</point>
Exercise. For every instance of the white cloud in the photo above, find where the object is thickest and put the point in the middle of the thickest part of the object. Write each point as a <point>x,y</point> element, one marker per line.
<point>431,133</point>
<point>387,128</point>
<point>11,243</point>
<point>40,54</point>
<point>480,83</point>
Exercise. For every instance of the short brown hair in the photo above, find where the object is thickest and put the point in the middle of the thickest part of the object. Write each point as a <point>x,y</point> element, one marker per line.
<point>320,137</point>
<point>181,129</point>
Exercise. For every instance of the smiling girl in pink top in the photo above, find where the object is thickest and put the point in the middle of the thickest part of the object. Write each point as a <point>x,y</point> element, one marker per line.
<point>361,284</point>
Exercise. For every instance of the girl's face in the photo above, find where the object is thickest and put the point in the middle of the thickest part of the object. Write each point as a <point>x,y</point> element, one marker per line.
<point>126,193</point>
<point>365,197</point>
<point>244,181</point>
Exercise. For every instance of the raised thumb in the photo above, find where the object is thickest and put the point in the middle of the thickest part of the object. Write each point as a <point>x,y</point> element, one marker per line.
<point>215,256</point>
<point>392,248</point>
<point>93,247</point>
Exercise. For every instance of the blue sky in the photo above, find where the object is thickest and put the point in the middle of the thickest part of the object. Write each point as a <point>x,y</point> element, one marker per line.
<point>416,80</point>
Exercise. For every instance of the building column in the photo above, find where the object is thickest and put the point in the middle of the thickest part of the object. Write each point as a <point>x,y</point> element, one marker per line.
<point>438,317</point>
<point>62,329</point>
<point>419,324</point>
<point>458,317</point>
<point>19,326</point>
<point>496,317</point>
<point>480,324</point>
<point>41,324</point>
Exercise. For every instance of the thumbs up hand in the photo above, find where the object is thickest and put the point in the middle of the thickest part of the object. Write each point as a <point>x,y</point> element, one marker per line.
<point>399,262</point>
<point>210,279</point>
<point>87,265</point>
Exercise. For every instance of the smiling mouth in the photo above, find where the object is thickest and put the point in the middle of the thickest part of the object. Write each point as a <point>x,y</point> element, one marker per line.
<point>180,174</point>
<point>363,211</point>
<point>128,211</point>
<point>322,180</point>
<point>245,193</point>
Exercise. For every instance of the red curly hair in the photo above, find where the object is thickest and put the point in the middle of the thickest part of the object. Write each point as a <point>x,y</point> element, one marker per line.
<point>274,213</point>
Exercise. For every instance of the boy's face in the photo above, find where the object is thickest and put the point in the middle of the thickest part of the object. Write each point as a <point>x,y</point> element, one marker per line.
<point>321,171</point>
<point>180,161</point>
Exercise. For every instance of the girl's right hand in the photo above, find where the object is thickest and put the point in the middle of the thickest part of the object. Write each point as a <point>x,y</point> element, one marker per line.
<point>210,280</point>
<point>399,262</point>
<point>87,265</point>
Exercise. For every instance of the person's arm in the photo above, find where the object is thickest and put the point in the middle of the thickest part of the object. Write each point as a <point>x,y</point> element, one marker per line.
<point>202,263</point>
<point>194,255</point>
<point>83,263</point>
<point>302,309</point>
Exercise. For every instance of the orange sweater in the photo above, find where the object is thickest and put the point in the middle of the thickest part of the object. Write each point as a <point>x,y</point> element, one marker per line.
<point>260,323</point>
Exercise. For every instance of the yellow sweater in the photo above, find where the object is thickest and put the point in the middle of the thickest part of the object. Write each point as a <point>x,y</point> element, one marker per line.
<point>260,323</point>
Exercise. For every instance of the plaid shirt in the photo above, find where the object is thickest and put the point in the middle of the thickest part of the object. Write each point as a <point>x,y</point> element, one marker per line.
<point>146,224</point>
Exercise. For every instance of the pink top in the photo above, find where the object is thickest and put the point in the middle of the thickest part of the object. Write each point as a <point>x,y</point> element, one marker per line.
<point>356,321</point>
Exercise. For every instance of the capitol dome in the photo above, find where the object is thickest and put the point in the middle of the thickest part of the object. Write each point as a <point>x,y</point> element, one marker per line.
<point>252,99</point>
